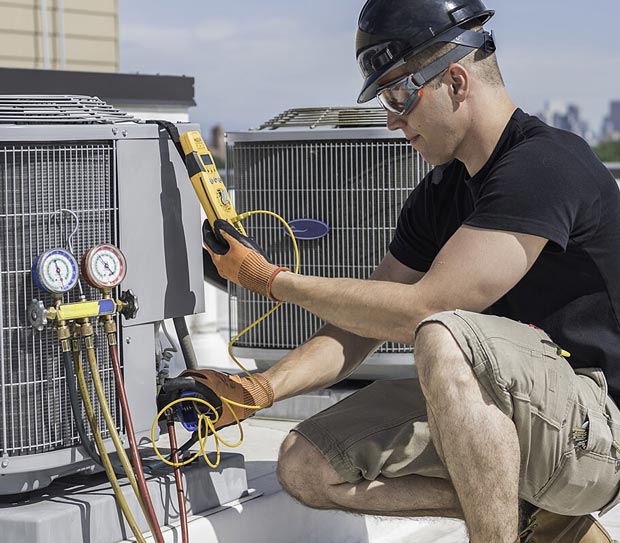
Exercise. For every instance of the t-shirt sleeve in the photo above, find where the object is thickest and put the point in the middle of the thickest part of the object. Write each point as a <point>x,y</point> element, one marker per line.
<point>414,243</point>
<point>531,192</point>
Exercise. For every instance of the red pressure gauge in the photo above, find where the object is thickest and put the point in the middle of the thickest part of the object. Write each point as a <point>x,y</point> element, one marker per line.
<point>103,266</point>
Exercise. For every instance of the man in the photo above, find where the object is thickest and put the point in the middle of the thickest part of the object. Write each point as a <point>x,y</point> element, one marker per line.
<point>505,260</point>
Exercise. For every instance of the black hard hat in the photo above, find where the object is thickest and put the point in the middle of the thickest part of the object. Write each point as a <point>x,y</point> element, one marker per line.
<point>391,31</point>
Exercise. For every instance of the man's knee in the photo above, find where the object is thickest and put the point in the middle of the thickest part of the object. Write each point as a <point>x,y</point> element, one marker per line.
<point>304,472</point>
<point>438,356</point>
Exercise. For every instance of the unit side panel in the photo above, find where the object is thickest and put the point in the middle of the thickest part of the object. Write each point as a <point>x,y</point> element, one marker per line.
<point>159,231</point>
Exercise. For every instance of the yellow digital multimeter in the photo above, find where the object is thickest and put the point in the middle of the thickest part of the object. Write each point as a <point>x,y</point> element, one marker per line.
<point>206,180</point>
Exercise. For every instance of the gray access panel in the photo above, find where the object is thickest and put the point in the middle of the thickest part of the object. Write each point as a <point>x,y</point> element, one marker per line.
<point>160,229</point>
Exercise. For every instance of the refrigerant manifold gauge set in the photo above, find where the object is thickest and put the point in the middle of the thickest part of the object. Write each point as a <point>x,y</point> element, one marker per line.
<point>56,272</point>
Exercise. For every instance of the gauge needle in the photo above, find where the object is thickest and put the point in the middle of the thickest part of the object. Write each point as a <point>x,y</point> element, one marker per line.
<point>59,272</point>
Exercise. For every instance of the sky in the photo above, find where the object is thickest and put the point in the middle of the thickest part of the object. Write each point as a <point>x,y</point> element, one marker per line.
<point>253,59</point>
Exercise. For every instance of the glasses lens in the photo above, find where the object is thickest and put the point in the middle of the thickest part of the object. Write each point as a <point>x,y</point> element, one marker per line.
<point>400,96</point>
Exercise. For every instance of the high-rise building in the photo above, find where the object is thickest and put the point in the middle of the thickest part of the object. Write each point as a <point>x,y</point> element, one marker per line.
<point>611,123</point>
<point>60,34</point>
<point>567,117</point>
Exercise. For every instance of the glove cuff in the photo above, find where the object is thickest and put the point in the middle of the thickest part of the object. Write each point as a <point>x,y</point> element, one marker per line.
<point>270,282</point>
<point>254,394</point>
<point>270,400</point>
<point>256,274</point>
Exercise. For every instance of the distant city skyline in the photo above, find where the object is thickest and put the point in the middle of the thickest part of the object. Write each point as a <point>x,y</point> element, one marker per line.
<point>568,116</point>
<point>252,60</point>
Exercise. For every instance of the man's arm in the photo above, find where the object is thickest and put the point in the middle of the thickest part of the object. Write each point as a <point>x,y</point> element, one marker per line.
<point>474,269</point>
<point>332,353</point>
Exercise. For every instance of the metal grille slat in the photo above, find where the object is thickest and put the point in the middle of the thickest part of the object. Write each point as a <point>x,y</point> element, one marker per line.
<point>313,117</point>
<point>58,109</point>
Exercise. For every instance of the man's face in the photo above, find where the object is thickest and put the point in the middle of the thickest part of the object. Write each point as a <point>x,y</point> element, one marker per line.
<point>432,126</point>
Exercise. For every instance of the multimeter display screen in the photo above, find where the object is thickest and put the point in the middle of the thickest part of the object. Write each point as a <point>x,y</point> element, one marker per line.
<point>206,159</point>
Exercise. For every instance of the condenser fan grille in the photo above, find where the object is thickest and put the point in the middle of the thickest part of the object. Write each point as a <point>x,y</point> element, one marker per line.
<point>38,182</point>
<point>355,186</point>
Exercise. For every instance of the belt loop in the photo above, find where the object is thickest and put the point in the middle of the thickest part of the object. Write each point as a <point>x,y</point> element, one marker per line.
<point>600,379</point>
<point>597,375</point>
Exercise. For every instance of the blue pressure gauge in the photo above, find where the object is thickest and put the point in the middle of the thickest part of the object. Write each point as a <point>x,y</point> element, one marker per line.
<point>55,271</point>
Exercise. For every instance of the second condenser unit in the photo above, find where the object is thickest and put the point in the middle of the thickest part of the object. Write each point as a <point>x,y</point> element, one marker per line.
<point>340,178</point>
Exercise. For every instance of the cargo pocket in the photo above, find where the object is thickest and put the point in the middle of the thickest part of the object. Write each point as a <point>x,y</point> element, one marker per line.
<point>585,479</point>
<point>615,433</point>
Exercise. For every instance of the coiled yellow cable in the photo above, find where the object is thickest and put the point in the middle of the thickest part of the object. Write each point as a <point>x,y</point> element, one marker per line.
<point>203,419</point>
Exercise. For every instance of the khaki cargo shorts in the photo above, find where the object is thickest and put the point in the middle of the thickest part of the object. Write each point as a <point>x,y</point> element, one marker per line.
<point>568,427</point>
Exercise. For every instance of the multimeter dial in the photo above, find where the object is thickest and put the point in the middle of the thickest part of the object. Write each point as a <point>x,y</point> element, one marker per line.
<point>55,271</point>
<point>103,266</point>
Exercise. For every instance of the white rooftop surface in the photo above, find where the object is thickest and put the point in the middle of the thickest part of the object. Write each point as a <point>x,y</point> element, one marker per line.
<point>274,517</point>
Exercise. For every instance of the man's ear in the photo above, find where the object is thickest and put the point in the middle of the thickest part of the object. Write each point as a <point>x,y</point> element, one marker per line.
<point>459,80</point>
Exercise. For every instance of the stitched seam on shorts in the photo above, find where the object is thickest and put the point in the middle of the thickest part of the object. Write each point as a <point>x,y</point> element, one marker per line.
<point>479,346</point>
<point>463,320</point>
<point>555,474</point>
<point>338,448</point>
<point>526,349</point>
<point>545,350</point>
<point>558,470</point>
<point>381,428</point>
<point>496,386</point>
<point>334,450</point>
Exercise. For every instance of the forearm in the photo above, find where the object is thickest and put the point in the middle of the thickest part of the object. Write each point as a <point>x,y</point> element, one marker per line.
<point>325,359</point>
<point>382,310</point>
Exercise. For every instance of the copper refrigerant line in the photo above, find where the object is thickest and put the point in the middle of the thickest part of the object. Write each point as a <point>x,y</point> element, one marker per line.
<point>53,272</point>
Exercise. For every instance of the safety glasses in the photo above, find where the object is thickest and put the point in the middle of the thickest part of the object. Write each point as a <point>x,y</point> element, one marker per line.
<point>400,96</point>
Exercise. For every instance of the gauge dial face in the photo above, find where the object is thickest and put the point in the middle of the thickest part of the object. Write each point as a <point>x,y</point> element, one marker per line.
<point>56,271</point>
<point>104,266</point>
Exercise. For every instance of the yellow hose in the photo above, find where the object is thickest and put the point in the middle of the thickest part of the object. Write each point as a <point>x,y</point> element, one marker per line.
<point>122,454</point>
<point>231,343</point>
<point>105,459</point>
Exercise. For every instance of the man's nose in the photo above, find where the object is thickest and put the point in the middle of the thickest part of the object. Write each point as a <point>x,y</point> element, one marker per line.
<point>394,121</point>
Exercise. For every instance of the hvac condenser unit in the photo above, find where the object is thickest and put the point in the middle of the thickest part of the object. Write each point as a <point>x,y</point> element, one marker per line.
<point>68,161</point>
<point>340,177</point>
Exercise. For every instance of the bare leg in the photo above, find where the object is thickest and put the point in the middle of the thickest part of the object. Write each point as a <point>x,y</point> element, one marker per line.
<point>306,475</point>
<point>478,443</point>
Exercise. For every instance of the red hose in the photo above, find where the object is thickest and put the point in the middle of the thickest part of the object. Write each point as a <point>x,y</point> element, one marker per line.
<point>178,481</point>
<point>133,446</point>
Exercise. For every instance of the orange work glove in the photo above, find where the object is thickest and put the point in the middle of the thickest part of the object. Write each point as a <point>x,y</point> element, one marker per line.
<point>238,258</point>
<point>239,389</point>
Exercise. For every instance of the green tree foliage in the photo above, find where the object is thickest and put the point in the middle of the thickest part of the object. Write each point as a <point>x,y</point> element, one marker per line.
<point>608,151</point>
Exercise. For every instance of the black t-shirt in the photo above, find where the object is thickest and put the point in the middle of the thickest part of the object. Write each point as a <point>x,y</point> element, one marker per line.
<point>546,182</point>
